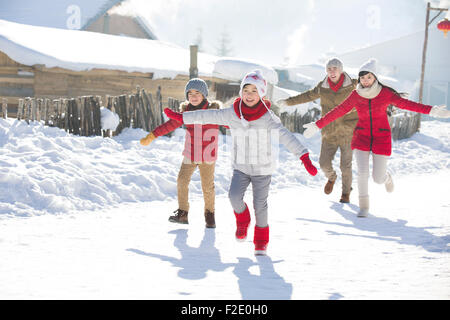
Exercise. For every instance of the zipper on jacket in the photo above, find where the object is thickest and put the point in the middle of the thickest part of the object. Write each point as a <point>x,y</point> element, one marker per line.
<point>371,128</point>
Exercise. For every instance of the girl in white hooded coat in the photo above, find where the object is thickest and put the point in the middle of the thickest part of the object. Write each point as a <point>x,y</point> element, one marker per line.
<point>256,132</point>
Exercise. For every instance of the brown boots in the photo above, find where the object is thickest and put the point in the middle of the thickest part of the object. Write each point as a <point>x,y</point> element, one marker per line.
<point>209,219</point>
<point>329,187</point>
<point>345,197</point>
<point>181,216</point>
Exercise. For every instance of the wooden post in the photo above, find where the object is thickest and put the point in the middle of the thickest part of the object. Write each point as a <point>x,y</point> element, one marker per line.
<point>97,116</point>
<point>33,109</point>
<point>20,109</point>
<point>65,114</point>
<point>88,116</point>
<point>26,111</point>
<point>141,113</point>
<point>159,104</point>
<point>149,114</point>
<point>59,121</point>
<point>39,103</point>
<point>193,70</point>
<point>46,111</point>
<point>424,53</point>
<point>4,108</point>
<point>82,116</point>
<point>75,117</point>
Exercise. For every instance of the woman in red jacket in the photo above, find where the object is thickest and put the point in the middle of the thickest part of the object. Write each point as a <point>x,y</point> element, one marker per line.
<point>200,150</point>
<point>372,134</point>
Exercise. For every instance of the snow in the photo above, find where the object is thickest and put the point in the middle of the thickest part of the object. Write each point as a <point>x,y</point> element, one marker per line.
<point>109,120</point>
<point>86,218</point>
<point>235,69</point>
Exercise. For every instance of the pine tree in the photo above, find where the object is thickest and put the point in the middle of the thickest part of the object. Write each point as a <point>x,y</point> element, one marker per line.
<point>199,40</point>
<point>224,48</point>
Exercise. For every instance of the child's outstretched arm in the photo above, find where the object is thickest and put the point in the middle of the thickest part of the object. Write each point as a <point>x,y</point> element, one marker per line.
<point>294,145</point>
<point>161,130</point>
<point>219,117</point>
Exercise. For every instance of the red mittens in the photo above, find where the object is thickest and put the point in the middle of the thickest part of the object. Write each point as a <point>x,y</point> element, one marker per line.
<point>177,116</point>
<point>308,164</point>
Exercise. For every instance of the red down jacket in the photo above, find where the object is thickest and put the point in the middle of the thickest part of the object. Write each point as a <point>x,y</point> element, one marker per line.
<point>372,132</point>
<point>201,141</point>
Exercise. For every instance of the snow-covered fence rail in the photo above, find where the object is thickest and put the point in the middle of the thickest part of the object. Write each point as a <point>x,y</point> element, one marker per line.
<point>403,124</point>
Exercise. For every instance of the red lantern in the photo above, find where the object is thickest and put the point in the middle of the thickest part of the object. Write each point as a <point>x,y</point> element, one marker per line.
<point>444,25</point>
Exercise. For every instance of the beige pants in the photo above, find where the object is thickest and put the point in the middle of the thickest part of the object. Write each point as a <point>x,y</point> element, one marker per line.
<point>207,178</point>
<point>327,153</point>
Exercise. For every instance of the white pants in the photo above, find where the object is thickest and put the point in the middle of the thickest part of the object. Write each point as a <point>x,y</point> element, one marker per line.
<point>379,173</point>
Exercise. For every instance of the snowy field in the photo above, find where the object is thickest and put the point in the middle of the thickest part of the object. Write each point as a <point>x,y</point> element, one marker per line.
<point>86,218</point>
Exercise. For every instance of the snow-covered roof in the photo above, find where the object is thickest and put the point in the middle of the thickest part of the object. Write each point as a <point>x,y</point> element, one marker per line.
<point>84,50</point>
<point>235,69</point>
<point>55,14</point>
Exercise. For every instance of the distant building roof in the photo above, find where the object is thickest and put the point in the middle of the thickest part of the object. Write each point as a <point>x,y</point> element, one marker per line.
<point>62,14</point>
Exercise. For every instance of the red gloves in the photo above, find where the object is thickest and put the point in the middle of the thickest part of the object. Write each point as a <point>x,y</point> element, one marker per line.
<point>177,116</point>
<point>308,164</point>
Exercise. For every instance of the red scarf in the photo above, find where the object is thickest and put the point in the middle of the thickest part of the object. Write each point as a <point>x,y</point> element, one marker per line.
<point>336,86</point>
<point>203,105</point>
<point>251,113</point>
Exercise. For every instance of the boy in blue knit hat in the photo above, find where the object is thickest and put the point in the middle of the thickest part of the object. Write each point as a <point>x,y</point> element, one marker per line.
<point>200,150</point>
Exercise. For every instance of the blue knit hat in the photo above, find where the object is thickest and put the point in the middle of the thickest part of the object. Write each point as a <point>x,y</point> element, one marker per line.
<point>196,84</point>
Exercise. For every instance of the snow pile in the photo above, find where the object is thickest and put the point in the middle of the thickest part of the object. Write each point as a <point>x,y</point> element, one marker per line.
<point>109,119</point>
<point>46,170</point>
<point>236,69</point>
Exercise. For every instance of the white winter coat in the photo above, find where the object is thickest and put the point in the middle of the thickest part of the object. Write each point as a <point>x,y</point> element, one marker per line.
<point>255,148</point>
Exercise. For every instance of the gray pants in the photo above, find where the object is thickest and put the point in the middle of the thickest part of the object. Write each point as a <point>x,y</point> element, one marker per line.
<point>260,184</point>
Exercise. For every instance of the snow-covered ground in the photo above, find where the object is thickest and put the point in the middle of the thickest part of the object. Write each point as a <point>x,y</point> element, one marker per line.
<point>86,218</point>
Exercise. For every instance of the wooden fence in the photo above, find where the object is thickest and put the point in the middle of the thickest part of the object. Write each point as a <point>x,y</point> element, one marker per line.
<point>138,110</point>
<point>81,115</point>
<point>403,123</point>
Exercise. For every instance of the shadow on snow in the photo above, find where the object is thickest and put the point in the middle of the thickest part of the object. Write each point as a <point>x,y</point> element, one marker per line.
<point>386,229</point>
<point>196,262</point>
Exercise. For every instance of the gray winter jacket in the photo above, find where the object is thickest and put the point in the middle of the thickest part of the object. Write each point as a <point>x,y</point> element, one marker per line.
<point>255,148</point>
